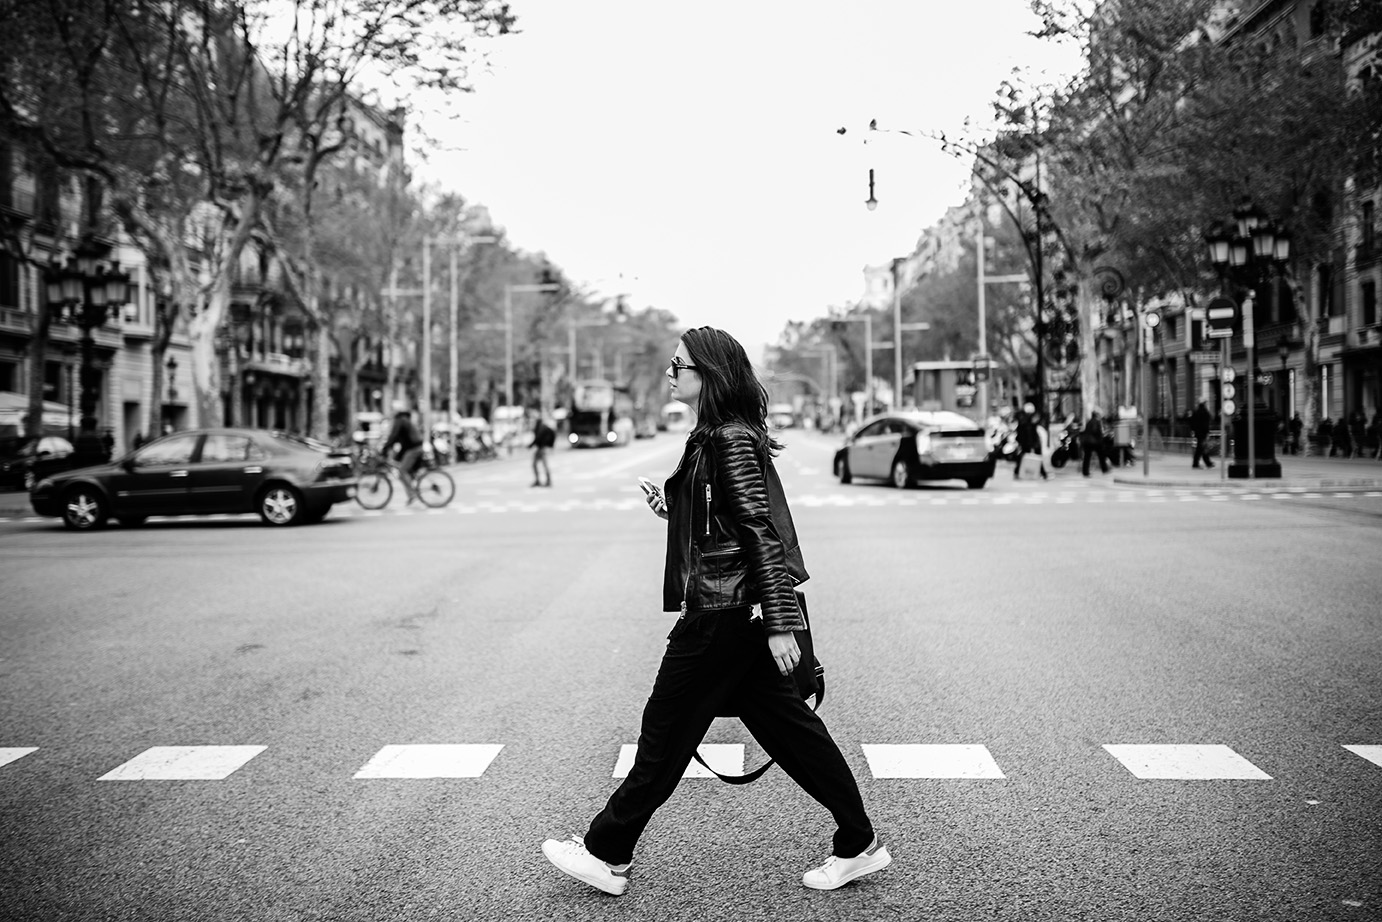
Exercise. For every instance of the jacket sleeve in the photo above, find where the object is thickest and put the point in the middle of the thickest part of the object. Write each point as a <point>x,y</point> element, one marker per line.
<point>744,493</point>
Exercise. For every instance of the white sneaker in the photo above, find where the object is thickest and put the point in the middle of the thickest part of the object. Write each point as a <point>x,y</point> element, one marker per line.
<point>570,857</point>
<point>836,872</point>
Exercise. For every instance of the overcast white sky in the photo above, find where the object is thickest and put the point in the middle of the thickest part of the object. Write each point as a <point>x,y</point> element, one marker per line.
<point>687,154</point>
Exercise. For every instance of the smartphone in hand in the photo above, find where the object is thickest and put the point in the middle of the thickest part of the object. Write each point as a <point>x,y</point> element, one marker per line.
<point>649,488</point>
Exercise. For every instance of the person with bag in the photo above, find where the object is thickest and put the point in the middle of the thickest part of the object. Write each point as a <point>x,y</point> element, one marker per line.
<point>1029,441</point>
<point>731,545</point>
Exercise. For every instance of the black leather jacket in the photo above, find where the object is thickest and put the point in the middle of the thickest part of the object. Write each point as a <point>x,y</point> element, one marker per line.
<point>730,537</point>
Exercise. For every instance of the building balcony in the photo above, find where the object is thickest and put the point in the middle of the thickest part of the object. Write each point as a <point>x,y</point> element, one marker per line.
<point>17,203</point>
<point>276,363</point>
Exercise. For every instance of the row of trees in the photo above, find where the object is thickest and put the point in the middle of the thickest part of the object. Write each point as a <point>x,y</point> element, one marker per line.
<point>1166,129</point>
<point>225,139</point>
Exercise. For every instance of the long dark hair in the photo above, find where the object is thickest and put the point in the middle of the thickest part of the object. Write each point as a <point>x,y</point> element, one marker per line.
<point>730,390</point>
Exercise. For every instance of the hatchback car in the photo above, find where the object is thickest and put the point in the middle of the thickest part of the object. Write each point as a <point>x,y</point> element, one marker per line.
<point>909,446</point>
<point>287,479</point>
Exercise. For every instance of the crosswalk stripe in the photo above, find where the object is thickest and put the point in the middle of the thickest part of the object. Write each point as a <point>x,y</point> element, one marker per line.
<point>431,760</point>
<point>1186,762</point>
<point>914,760</point>
<point>184,763</point>
<point>886,761</point>
<point>1372,753</point>
<point>10,754</point>
<point>725,758</point>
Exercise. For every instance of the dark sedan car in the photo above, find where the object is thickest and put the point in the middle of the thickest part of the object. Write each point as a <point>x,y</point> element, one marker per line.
<point>30,460</point>
<point>908,446</point>
<point>286,479</point>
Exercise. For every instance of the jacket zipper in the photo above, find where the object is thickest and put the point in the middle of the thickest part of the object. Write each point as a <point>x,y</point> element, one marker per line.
<point>707,510</point>
<point>686,587</point>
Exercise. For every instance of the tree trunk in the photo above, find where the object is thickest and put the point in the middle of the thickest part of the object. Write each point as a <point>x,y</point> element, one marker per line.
<point>321,373</point>
<point>1089,365</point>
<point>1310,368</point>
<point>206,371</point>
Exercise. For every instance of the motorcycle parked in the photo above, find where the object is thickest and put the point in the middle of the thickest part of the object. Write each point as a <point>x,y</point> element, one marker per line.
<point>1068,448</point>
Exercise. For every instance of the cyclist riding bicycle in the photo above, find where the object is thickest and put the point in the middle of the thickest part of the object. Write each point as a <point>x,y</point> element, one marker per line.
<point>404,434</point>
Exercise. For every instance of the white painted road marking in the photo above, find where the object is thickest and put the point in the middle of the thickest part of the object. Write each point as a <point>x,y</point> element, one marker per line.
<point>930,761</point>
<point>1372,753</point>
<point>1186,763</point>
<point>17,752</point>
<point>431,760</point>
<point>184,763</point>
<point>725,758</point>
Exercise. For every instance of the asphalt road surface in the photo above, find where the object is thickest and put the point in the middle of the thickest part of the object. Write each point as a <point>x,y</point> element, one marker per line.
<point>1063,700</point>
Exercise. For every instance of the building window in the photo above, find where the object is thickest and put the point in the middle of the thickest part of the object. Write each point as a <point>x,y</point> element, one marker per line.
<point>9,377</point>
<point>9,281</point>
<point>1369,303</point>
<point>1369,230</point>
<point>1319,18</point>
<point>52,381</point>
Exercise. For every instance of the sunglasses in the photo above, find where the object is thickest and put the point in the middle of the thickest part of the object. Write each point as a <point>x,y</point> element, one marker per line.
<point>678,366</point>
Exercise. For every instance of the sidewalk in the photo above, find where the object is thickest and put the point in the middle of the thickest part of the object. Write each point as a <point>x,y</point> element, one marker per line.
<point>1297,472</point>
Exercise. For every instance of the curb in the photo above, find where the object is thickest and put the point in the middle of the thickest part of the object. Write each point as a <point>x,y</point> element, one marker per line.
<point>1259,485</point>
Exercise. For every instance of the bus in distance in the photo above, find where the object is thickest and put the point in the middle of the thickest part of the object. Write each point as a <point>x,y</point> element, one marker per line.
<point>601,415</point>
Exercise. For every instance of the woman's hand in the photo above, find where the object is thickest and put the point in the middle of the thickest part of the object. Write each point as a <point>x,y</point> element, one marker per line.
<point>783,648</point>
<point>657,504</point>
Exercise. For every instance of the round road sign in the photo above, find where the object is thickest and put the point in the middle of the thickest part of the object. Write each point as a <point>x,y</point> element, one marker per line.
<point>1228,374</point>
<point>1230,408</point>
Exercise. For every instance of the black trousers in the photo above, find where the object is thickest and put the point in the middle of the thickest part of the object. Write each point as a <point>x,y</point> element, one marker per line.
<point>718,663</point>
<point>1092,451</point>
<point>1201,452</point>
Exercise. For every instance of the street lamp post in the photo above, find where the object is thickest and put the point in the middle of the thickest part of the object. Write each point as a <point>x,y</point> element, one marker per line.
<point>453,376</point>
<point>1254,249</point>
<point>507,326</point>
<point>89,293</point>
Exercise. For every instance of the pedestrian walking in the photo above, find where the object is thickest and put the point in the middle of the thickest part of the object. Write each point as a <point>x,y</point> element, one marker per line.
<point>1357,432</point>
<point>1092,443</point>
<point>1342,442</point>
<point>1028,440</point>
<point>1297,427</point>
<point>730,545</point>
<point>544,439</point>
<point>1375,433</point>
<point>1201,421</point>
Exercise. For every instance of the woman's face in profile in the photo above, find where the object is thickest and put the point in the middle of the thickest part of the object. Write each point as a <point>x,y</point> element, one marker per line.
<point>684,380</point>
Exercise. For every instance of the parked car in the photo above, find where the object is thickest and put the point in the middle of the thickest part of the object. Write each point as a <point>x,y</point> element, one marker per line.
<point>782,416</point>
<point>909,446</point>
<point>29,460</point>
<point>286,479</point>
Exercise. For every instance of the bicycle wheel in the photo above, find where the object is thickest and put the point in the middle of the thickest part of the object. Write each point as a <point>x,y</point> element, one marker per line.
<point>373,490</point>
<point>435,488</point>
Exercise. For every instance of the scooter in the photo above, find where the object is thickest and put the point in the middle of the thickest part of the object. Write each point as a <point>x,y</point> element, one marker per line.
<point>1068,449</point>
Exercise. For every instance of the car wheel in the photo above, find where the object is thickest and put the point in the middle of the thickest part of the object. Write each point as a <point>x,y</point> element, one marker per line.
<point>845,476</point>
<point>976,483</point>
<point>132,521</point>
<point>902,475</point>
<point>280,504</point>
<point>83,509</point>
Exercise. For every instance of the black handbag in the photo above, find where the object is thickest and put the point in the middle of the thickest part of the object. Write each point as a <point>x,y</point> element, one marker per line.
<point>809,675</point>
